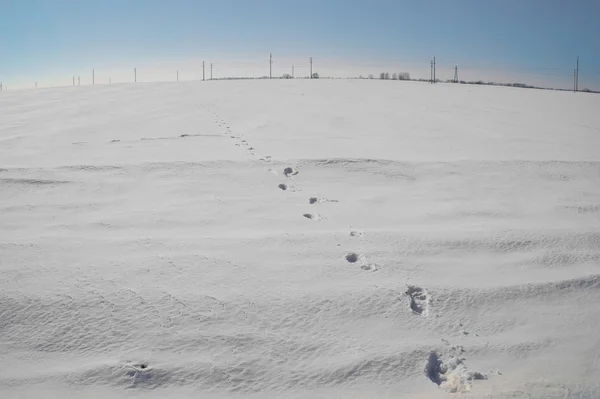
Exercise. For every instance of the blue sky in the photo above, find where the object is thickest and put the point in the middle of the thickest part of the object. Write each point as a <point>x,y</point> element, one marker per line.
<point>50,37</point>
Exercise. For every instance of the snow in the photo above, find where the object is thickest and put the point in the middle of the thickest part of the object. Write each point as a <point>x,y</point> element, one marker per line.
<point>147,248</point>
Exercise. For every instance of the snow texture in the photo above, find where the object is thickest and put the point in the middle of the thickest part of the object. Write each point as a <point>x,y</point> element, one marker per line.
<point>299,239</point>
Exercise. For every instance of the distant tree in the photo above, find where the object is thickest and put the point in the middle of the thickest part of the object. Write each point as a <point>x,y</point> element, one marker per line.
<point>404,76</point>
<point>394,76</point>
<point>286,76</point>
<point>387,76</point>
<point>361,77</point>
<point>370,76</point>
<point>382,75</point>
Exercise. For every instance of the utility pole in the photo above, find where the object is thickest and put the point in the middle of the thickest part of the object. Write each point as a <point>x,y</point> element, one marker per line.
<point>211,68</point>
<point>434,81</point>
<point>577,76</point>
<point>292,72</point>
<point>456,74</point>
<point>135,75</point>
<point>271,66</point>
<point>574,80</point>
<point>202,70</point>
<point>73,80</point>
<point>93,77</point>
<point>431,71</point>
<point>109,81</point>
<point>78,80</point>
<point>0,86</point>
<point>311,72</point>
<point>36,85</point>
<point>178,75</point>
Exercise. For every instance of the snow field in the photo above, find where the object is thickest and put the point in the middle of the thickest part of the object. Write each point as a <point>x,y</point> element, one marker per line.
<point>299,239</point>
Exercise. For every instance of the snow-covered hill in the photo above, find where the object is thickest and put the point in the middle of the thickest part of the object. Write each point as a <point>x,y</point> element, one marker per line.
<point>299,239</point>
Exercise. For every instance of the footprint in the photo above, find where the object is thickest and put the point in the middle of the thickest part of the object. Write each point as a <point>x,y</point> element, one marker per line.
<point>352,257</point>
<point>314,200</point>
<point>283,186</point>
<point>290,172</point>
<point>370,267</point>
<point>419,300</point>
<point>313,216</point>
<point>452,376</point>
<point>356,234</point>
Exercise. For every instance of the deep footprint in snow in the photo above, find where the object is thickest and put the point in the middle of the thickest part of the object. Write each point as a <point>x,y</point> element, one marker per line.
<point>356,234</point>
<point>290,172</point>
<point>452,375</point>
<point>352,257</point>
<point>419,300</point>
<point>283,186</point>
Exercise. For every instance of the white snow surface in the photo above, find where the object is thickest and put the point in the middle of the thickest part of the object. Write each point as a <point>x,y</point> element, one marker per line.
<point>427,241</point>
